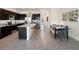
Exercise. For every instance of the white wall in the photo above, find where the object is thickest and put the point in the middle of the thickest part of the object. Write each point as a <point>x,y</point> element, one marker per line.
<point>55,15</point>
<point>74,26</point>
<point>45,12</point>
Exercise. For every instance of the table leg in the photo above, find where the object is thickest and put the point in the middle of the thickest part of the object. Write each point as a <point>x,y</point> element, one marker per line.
<point>67,35</point>
<point>55,34</point>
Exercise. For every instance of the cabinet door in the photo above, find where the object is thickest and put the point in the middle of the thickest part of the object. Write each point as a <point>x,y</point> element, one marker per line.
<point>5,31</point>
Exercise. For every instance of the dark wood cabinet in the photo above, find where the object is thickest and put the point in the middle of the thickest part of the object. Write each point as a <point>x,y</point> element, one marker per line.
<point>20,17</point>
<point>4,31</point>
<point>4,15</point>
<point>35,16</point>
<point>7,30</point>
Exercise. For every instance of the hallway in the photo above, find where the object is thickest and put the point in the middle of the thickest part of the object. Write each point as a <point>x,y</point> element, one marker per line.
<point>43,40</point>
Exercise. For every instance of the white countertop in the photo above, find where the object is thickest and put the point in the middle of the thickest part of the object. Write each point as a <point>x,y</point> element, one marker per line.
<point>27,25</point>
<point>3,25</point>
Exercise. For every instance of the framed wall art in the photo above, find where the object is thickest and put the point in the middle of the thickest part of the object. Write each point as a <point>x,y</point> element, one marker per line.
<point>65,16</point>
<point>73,15</point>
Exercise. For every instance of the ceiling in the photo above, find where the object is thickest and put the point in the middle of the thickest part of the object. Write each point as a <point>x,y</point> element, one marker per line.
<point>28,9</point>
<point>22,10</point>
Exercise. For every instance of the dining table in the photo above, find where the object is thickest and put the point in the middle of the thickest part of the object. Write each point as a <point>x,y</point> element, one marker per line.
<point>58,29</point>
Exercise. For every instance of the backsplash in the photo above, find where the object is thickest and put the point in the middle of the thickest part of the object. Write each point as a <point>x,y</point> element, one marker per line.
<point>4,22</point>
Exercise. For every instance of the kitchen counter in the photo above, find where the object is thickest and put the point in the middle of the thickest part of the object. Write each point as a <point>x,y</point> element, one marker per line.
<point>4,25</point>
<point>6,30</point>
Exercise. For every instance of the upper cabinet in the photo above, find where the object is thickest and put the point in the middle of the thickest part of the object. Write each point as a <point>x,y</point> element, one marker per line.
<point>36,16</point>
<point>4,16</point>
<point>7,15</point>
<point>20,16</point>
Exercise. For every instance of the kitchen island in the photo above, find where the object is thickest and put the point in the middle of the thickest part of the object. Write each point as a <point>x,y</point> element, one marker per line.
<point>25,31</point>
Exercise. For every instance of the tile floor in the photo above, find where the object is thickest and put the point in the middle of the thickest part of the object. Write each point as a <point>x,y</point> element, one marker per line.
<point>41,39</point>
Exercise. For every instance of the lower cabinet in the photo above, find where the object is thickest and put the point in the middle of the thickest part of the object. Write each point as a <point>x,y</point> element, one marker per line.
<point>5,31</point>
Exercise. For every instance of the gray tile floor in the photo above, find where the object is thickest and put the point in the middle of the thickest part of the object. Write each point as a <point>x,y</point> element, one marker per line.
<point>44,40</point>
